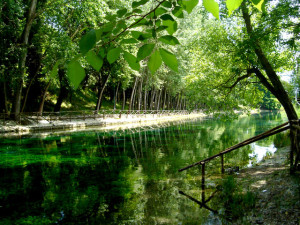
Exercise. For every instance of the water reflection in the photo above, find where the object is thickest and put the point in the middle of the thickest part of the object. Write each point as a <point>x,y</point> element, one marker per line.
<point>119,177</point>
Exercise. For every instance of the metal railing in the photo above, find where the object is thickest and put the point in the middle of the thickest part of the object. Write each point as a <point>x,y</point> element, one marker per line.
<point>273,131</point>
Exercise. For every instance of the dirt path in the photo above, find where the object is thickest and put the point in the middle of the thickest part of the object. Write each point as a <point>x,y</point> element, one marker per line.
<point>277,192</point>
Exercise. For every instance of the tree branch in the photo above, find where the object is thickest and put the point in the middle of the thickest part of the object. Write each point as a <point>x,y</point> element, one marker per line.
<point>133,24</point>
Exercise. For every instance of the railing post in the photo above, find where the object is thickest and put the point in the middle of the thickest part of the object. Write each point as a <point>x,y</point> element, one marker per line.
<point>203,175</point>
<point>222,164</point>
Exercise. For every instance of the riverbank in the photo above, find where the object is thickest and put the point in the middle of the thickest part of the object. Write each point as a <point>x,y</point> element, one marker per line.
<point>277,191</point>
<point>112,121</point>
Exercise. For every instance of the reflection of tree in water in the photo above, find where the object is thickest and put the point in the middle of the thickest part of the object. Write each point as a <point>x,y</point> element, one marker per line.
<point>117,177</point>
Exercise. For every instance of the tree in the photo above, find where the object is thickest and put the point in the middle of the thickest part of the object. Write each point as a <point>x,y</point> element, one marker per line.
<point>160,25</point>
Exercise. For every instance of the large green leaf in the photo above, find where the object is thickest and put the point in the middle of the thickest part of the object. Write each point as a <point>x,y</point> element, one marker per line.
<point>258,4</point>
<point>256,1</point>
<point>54,70</point>
<point>132,61</point>
<point>189,5</point>
<point>75,73</point>
<point>129,41</point>
<point>212,7</point>
<point>87,42</point>
<point>167,17</point>
<point>121,12</point>
<point>95,61</point>
<point>140,35</point>
<point>167,4</point>
<point>113,55</point>
<point>169,59</point>
<point>171,26</point>
<point>233,5</point>
<point>154,62</point>
<point>145,51</point>
<point>169,39</point>
<point>178,12</point>
<point>137,4</point>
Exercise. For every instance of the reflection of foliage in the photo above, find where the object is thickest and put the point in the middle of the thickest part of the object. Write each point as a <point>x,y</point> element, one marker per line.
<point>282,140</point>
<point>121,177</point>
<point>234,202</point>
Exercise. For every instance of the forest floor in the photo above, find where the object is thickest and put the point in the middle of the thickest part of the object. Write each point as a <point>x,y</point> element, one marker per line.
<point>277,191</point>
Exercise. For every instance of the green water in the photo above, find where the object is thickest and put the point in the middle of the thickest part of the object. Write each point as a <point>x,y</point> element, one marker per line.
<point>123,177</point>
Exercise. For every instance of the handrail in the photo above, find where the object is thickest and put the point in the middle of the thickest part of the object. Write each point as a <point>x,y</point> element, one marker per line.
<point>268,133</point>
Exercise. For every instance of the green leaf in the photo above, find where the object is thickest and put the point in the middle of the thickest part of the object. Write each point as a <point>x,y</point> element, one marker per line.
<point>178,12</point>
<point>140,36</point>
<point>102,53</point>
<point>171,26</point>
<point>145,51</point>
<point>167,4</point>
<point>189,5</point>
<point>54,70</point>
<point>212,7</point>
<point>113,55</point>
<point>132,61</point>
<point>137,4</point>
<point>167,17</point>
<point>161,28</point>
<point>169,59</point>
<point>95,61</point>
<point>142,22</point>
<point>99,33</point>
<point>258,4</point>
<point>121,12</point>
<point>154,62</point>
<point>255,2</point>
<point>75,73</point>
<point>169,39</point>
<point>129,41</point>
<point>160,11</point>
<point>233,5</point>
<point>88,41</point>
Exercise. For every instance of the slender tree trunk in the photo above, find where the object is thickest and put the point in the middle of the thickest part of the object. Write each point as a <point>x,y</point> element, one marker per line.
<point>116,96</point>
<point>41,108</point>
<point>145,99</point>
<point>132,93</point>
<point>22,67</point>
<point>275,86</point>
<point>99,102</point>
<point>5,97</point>
<point>29,86</point>
<point>165,97</point>
<point>153,94</point>
<point>158,100</point>
<point>140,94</point>
<point>124,99</point>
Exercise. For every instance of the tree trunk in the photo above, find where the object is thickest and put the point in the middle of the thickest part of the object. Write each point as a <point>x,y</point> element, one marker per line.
<point>140,94</point>
<point>29,86</point>
<point>158,100</point>
<point>145,99</point>
<point>5,97</point>
<point>275,86</point>
<point>41,108</point>
<point>165,97</point>
<point>22,67</point>
<point>124,100</point>
<point>116,96</point>
<point>132,94</point>
<point>99,102</point>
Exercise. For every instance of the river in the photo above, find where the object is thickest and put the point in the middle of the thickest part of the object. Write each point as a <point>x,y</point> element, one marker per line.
<point>125,176</point>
